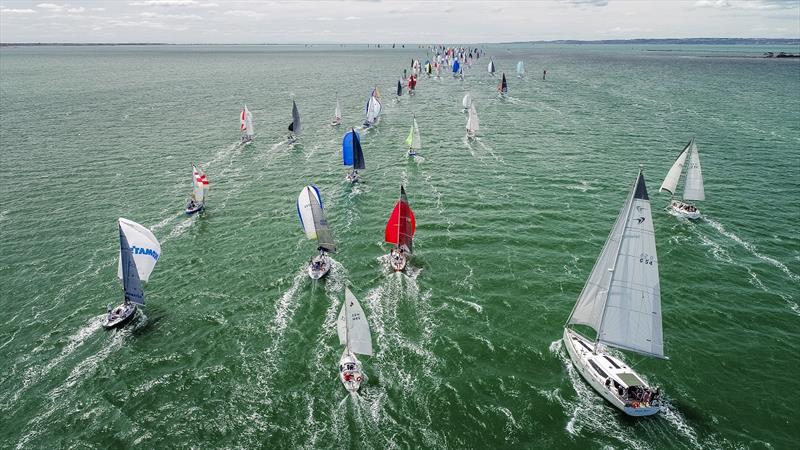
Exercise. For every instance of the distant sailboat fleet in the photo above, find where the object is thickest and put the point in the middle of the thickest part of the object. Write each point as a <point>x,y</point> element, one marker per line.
<point>618,308</point>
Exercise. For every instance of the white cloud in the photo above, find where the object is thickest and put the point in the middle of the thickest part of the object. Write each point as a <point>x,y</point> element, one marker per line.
<point>17,11</point>
<point>98,9</point>
<point>152,15</point>
<point>352,18</point>
<point>79,9</point>
<point>748,4</point>
<point>244,13</point>
<point>165,3</point>
<point>145,24</point>
<point>51,6</point>
<point>586,2</point>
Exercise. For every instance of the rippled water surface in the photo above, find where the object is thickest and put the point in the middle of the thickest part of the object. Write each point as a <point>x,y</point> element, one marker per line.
<point>237,347</point>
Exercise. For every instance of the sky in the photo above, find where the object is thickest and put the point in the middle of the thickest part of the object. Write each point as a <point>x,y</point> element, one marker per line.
<point>391,21</point>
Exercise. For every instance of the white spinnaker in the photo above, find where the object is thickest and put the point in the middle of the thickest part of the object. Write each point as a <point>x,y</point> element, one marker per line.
<point>693,189</point>
<point>466,101</point>
<point>472,120</point>
<point>352,326</point>
<point>622,297</point>
<point>374,109</point>
<point>144,245</point>
<point>304,210</point>
<point>675,172</point>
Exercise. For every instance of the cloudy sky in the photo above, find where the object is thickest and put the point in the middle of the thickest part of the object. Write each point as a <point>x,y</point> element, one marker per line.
<point>360,21</point>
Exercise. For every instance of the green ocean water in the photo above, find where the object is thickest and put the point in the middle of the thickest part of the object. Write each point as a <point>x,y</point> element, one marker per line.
<point>237,347</point>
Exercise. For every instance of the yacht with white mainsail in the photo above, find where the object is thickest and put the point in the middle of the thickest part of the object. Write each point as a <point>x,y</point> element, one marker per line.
<point>139,251</point>
<point>472,121</point>
<point>246,125</point>
<point>400,231</point>
<point>466,101</point>
<point>294,128</point>
<point>354,334</point>
<point>621,302</point>
<point>337,114</point>
<point>199,191</point>
<point>373,109</point>
<point>352,155</point>
<point>413,140</point>
<point>315,225</point>
<point>520,69</point>
<point>693,187</point>
<point>491,68</point>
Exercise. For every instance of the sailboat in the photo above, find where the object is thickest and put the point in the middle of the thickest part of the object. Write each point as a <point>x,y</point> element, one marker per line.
<point>621,302</point>
<point>315,225</point>
<point>502,88</point>
<point>520,69</point>
<point>692,188</point>
<point>353,331</point>
<point>490,68</point>
<point>438,68</point>
<point>337,114</point>
<point>466,101</point>
<point>400,231</point>
<point>352,155</point>
<point>472,121</point>
<point>413,140</point>
<point>199,190</point>
<point>246,125</point>
<point>456,66</point>
<point>412,84</point>
<point>399,89</point>
<point>428,68</point>
<point>139,251</point>
<point>294,128</point>
<point>373,109</point>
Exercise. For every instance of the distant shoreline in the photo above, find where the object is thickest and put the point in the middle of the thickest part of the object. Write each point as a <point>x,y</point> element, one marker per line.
<point>665,41</point>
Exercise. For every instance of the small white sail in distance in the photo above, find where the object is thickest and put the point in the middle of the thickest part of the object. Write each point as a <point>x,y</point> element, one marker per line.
<point>352,326</point>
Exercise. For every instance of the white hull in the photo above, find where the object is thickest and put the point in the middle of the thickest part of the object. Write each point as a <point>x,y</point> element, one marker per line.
<point>319,266</point>
<point>336,122</point>
<point>616,380</point>
<point>398,260</point>
<point>351,373</point>
<point>352,177</point>
<point>246,139</point>
<point>679,209</point>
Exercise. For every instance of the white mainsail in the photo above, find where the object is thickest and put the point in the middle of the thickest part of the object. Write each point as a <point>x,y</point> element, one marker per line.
<point>247,122</point>
<point>621,300</point>
<point>199,184</point>
<point>352,326</point>
<point>472,120</point>
<point>144,246</point>
<point>337,113</point>
<point>520,69</point>
<point>693,189</point>
<point>373,109</point>
<point>490,68</point>
<point>466,101</point>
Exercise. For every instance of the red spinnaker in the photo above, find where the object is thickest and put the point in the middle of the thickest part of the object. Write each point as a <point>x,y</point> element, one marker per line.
<point>401,225</point>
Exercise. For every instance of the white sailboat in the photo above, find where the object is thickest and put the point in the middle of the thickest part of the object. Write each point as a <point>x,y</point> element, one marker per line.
<point>139,251</point>
<point>621,302</point>
<point>692,188</point>
<point>520,69</point>
<point>466,101</point>
<point>199,191</point>
<point>294,128</point>
<point>472,121</point>
<point>491,68</point>
<point>315,225</point>
<point>413,140</point>
<point>373,109</point>
<point>353,331</point>
<point>246,125</point>
<point>337,114</point>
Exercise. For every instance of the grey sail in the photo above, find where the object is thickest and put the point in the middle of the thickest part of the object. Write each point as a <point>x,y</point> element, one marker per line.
<point>324,235</point>
<point>295,127</point>
<point>131,283</point>
<point>621,300</point>
<point>693,189</point>
<point>352,326</point>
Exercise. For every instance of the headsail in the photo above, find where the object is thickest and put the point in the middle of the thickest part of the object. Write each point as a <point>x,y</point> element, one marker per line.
<point>401,225</point>
<point>352,155</point>
<point>142,255</point>
<point>693,189</point>
<point>675,172</point>
<point>352,326</point>
<point>131,284</point>
<point>621,300</point>
<point>466,101</point>
<point>312,218</point>
<point>413,140</point>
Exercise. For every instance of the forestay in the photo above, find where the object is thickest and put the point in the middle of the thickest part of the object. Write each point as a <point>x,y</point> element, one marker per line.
<point>622,299</point>
<point>352,326</point>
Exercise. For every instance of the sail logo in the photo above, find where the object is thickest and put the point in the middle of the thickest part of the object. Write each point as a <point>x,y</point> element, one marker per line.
<point>144,251</point>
